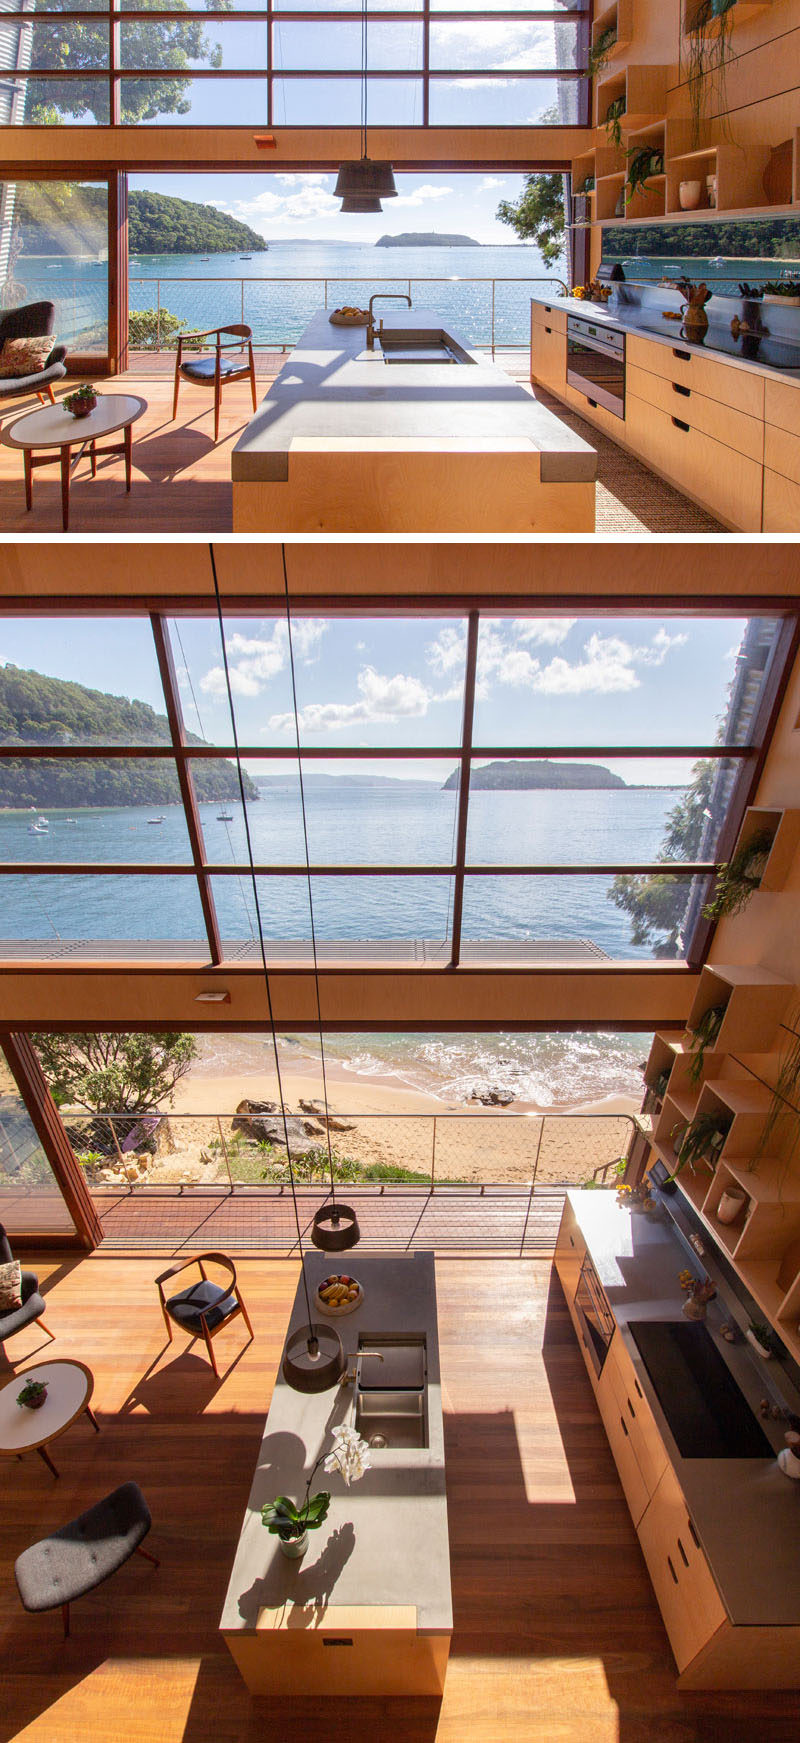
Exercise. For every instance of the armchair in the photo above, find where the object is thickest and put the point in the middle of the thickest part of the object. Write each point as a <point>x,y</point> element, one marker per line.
<point>204,1307</point>
<point>217,368</point>
<point>15,1318</point>
<point>29,322</point>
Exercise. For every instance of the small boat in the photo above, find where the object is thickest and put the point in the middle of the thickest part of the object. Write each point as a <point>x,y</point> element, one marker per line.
<point>40,827</point>
<point>245,256</point>
<point>154,821</point>
<point>69,820</point>
<point>224,816</point>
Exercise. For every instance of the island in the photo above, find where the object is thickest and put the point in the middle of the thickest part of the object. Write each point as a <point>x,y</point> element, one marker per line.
<point>523,777</point>
<point>369,1609</point>
<point>436,439</point>
<point>426,239</point>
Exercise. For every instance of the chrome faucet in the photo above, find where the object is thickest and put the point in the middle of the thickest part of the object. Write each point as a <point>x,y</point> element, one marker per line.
<point>385,296</point>
<point>350,1375</point>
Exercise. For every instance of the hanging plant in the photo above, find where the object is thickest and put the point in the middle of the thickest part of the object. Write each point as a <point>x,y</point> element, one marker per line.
<point>783,1114</point>
<point>705,55</point>
<point>699,1141</point>
<point>702,1036</point>
<point>601,51</point>
<point>739,877</point>
<point>613,120</point>
<point>642,165</point>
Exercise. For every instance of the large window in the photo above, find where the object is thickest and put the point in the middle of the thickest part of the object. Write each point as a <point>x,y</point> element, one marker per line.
<point>30,1198</point>
<point>54,248</point>
<point>475,788</point>
<point>268,63</point>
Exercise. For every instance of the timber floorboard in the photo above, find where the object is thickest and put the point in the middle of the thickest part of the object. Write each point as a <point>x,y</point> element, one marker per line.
<point>557,1637</point>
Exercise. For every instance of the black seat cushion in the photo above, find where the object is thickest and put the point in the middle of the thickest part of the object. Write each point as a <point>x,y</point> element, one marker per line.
<point>80,1555</point>
<point>203,368</point>
<point>186,1307</point>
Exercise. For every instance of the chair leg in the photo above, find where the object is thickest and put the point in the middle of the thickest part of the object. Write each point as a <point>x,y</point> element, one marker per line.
<point>210,1348</point>
<point>51,1334</point>
<point>246,1317</point>
<point>253,378</point>
<point>175,395</point>
<point>147,1556</point>
<point>51,393</point>
<point>65,1619</point>
<point>217,401</point>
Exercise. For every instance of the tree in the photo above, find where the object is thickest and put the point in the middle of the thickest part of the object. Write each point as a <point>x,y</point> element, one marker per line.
<point>114,1073</point>
<point>657,904</point>
<point>538,215</point>
<point>82,46</point>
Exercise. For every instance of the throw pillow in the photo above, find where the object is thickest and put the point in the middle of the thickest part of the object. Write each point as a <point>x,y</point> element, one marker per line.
<point>25,356</point>
<point>10,1286</point>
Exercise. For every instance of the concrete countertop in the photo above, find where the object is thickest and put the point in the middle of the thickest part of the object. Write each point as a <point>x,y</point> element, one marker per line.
<point>331,388</point>
<point>630,318</point>
<point>746,1513</point>
<point>385,1540</point>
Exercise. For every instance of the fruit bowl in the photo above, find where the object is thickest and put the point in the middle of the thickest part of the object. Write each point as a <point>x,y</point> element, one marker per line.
<point>345,1294</point>
<point>348,317</point>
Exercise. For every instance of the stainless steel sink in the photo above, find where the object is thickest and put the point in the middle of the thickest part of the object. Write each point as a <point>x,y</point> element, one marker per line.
<point>391,1404</point>
<point>390,1418</point>
<point>421,345</point>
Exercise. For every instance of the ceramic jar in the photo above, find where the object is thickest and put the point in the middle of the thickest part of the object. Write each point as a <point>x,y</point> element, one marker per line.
<point>730,1204</point>
<point>689,194</point>
<point>294,1547</point>
<point>693,1309</point>
<point>788,1459</point>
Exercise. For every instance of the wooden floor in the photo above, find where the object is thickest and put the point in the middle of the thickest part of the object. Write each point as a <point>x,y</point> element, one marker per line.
<point>557,1636</point>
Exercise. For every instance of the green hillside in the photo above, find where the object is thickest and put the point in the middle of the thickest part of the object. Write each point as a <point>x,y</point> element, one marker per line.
<point>534,774</point>
<point>47,711</point>
<point>60,218</point>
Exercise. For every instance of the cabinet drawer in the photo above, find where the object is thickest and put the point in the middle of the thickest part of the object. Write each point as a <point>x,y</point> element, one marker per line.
<point>620,1440</point>
<point>695,369</point>
<point>549,357</point>
<point>646,1440</point>
<point>726,483</point>
<point>781,503</point>
<point>782,405</point>
<point>682,1580</point>
<point>782,452</point>
<point>570,1251</point>
<point>549,315</point>
<point>595,414</point>
<point>735,429</point>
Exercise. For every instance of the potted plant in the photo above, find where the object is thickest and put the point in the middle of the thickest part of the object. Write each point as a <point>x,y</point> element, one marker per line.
<point>783,290</point>
<point>601,51</point>
<point>82,401</point>
<point>739,877</point>
<point>705,54</point>
<point>350,1458</point>
<point>642,165</point>
<point>703,1035</point>
<point>699,1291</point>
<point>33,1395</point>
<point>699,1141</point>
<point>762,1339</point>
<point>613,120</point>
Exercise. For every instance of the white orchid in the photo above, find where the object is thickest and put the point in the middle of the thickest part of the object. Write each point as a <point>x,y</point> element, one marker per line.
<point>350,1456</point>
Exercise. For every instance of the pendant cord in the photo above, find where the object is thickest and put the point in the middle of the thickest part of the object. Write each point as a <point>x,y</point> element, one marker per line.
<point>364,78</point>
<point>254,882</point>
<point>308,871</point>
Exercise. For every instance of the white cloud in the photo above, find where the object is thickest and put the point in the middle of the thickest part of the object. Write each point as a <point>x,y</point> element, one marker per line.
<point>422,195</point>
<point>381,698</point>
<point>661,645</point>
<point>448,650</point>
<point>213,684</point>
<point>551,631</point>
<point>491,182</point>
<point>607,667</point>
<point>254,661</point>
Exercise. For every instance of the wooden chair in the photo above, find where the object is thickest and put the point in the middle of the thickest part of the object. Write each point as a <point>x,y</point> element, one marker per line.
<point>205,1307</point>
<point>14,1318</point>
<point>216,368</point>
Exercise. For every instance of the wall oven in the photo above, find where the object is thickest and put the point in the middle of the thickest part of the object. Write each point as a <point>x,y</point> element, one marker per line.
<point>594,1314</point>
<point>596,363</point>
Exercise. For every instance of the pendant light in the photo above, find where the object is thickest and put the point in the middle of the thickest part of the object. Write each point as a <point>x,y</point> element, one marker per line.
<point>361,203</point>
<point>335,1226</point>
<point>314,1358</point>
<point>364,179</point>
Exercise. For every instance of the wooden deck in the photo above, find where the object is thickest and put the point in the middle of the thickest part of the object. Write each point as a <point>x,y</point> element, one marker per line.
<point>557,1637</point>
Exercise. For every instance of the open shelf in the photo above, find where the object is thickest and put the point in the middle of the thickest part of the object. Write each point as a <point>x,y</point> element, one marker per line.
<point>784,828</point>
<point>609,190</point>
<point>739,179</point>
<point>619,17</point>
<point>755,1002</point>
<point>739,13</point>
<point>644,93</point>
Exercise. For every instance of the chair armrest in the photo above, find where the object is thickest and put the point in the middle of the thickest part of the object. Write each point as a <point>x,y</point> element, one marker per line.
<point>57,355</point>
<point>206,334</point>
<point>175,1270</point>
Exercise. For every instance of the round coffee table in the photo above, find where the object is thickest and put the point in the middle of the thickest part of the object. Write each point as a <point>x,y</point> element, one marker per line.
<point>69,1389</point>
<point>53,427</point>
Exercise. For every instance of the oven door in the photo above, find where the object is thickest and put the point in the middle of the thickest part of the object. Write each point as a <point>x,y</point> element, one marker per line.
<point>596,366</point>
<point>595,1316</point>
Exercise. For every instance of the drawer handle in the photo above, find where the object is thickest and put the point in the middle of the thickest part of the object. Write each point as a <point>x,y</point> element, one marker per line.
<point>684,1556</point>
<point>631,1409</point>
<point>591,402</point>
<point>548,329</point>
<point>686,391</point>
<point>334,1640</point>
<point>685,356</point>
<point>548,308</point>
<point>679,424</point>
<point>572,1240</point>
<point>695,1537</point>
<point>638,1388</point>
<point>623,1426</point>
<point>671,1569</point>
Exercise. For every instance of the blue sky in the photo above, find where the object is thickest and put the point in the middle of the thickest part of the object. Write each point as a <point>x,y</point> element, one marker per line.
<point>379,683</point>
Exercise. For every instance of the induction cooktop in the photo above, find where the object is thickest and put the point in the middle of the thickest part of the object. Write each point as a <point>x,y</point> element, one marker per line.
<point>761,348</point>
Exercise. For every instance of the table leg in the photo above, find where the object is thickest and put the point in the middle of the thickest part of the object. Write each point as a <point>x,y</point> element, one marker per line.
<point>44,1454</point>
<point>28,479</point>
<point>65,468</point>
<point>93,1419</point>
<point>128,456</point>
<point>93,457</point>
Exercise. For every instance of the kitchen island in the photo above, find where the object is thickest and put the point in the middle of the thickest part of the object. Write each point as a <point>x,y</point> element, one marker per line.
<point>368,1610</point>
<point>346,441</point>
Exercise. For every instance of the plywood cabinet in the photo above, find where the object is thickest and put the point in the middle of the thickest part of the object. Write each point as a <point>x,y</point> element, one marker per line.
<point>688,1598</point>
<point>781,503</point>
<point>740,388</point>
<point>725,482</point>
<point>570,1253</point>
<point>548,356</point>
<point>618,1429</point>
<point>638,1419</point>
<point>713,417</point>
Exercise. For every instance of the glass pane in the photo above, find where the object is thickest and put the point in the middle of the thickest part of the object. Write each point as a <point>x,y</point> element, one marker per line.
<point>354,816</point>
<point>57,234</point>
<point>578,919</point>
<point>42,44</point>
<point>196,42</point>
<point>45,6</point>
<point>337,102</point>
<point>52,913</point>
<point>585,813</point>
<point>188,102</point>
<point>48,683</point>
<point>153,6</point>
<point>349,911</point>
<point>30,1200</point>
<point>677,680</point>
<point>348,6</point>
<point>505,6</point>
<point>505,102</point>
<point>391,47</point>
<point>723,254</point>
<point>506,45</point>
<point>55,102</point>
<point>104,812</point>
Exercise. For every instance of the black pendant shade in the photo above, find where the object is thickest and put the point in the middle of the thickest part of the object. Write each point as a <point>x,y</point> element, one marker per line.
<point>361,203</point>
<point>335,1228</point>
<point>314,1360</point>
<point>365,177</point>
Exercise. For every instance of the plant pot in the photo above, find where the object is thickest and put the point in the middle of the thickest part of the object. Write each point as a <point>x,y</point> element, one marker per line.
<point>690,195</point>
<point>34,1403</point>
<point>759,1348</point>
<point>694,1309</point>
<point>788,1459</point>
<point>294,1548</point>
<point>783,302</point>
<point>83,409</point>
<point>730,1204</point>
